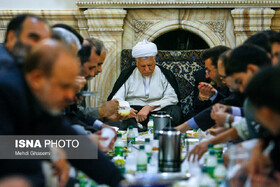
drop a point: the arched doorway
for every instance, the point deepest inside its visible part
(180, 40)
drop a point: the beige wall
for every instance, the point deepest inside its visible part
(122, 29)
(215, 26)
(38, 5)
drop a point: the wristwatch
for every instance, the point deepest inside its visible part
(227, 123)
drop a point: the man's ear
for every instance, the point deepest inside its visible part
(36, 79)
(11, 40)
(269, 114)
(269, 55)
(252, 68)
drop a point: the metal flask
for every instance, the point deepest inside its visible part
(169, 150)
(161, 120)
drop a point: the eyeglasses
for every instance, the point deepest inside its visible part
(222, 77)
(276, 54)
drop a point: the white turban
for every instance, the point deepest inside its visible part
(144, 49)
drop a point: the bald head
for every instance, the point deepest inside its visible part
(50, 70)
(44, 55)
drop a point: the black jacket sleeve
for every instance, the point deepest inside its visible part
(198, 105)
(102, 170)
(76, 116)
(204, 120)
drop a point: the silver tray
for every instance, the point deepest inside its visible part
(149, 179)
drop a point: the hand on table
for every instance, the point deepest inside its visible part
(197, 152)
(61, 168)
(143, 113)
(256, 163)
(219, 117)
(223, 108)
(183, 127)
(111, 145)
(96, 138)
(216, 131)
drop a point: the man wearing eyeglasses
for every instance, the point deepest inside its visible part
(275, 48)
(208, 94)
(203, 119)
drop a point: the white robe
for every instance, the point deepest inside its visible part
(160, 92)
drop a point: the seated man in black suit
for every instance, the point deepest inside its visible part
(23, 32)
(203, 119)
(207, 94)
(31, 103)
(244, 61)
(92, 55)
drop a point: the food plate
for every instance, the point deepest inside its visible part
(192, 134)
(88, 93)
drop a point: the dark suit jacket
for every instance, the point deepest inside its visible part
(204, 120)
(21, 114)
(6, 60)
(76, 116)
(198, 105)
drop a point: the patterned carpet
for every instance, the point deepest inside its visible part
(183, 64)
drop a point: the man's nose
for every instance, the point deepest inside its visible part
(241, 89)
(147, 68)
(99, 70)
(92, 73)
(207, 75)
(275, 60)
(33, 43)
(70, 94)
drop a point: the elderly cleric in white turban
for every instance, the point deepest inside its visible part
(146, 87)
(144, 49)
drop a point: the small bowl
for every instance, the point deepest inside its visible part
(124, 111)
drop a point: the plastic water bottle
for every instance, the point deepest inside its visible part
(130, 137)
(148, 149)
(205, 179)
(206, 155)
(130, 163)
(220, 172)
(120, 163)
(219, 150)
(153, 165)
(151, 125)
(185, 166)
(119, 145)
(211, 163)
(142, 160)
